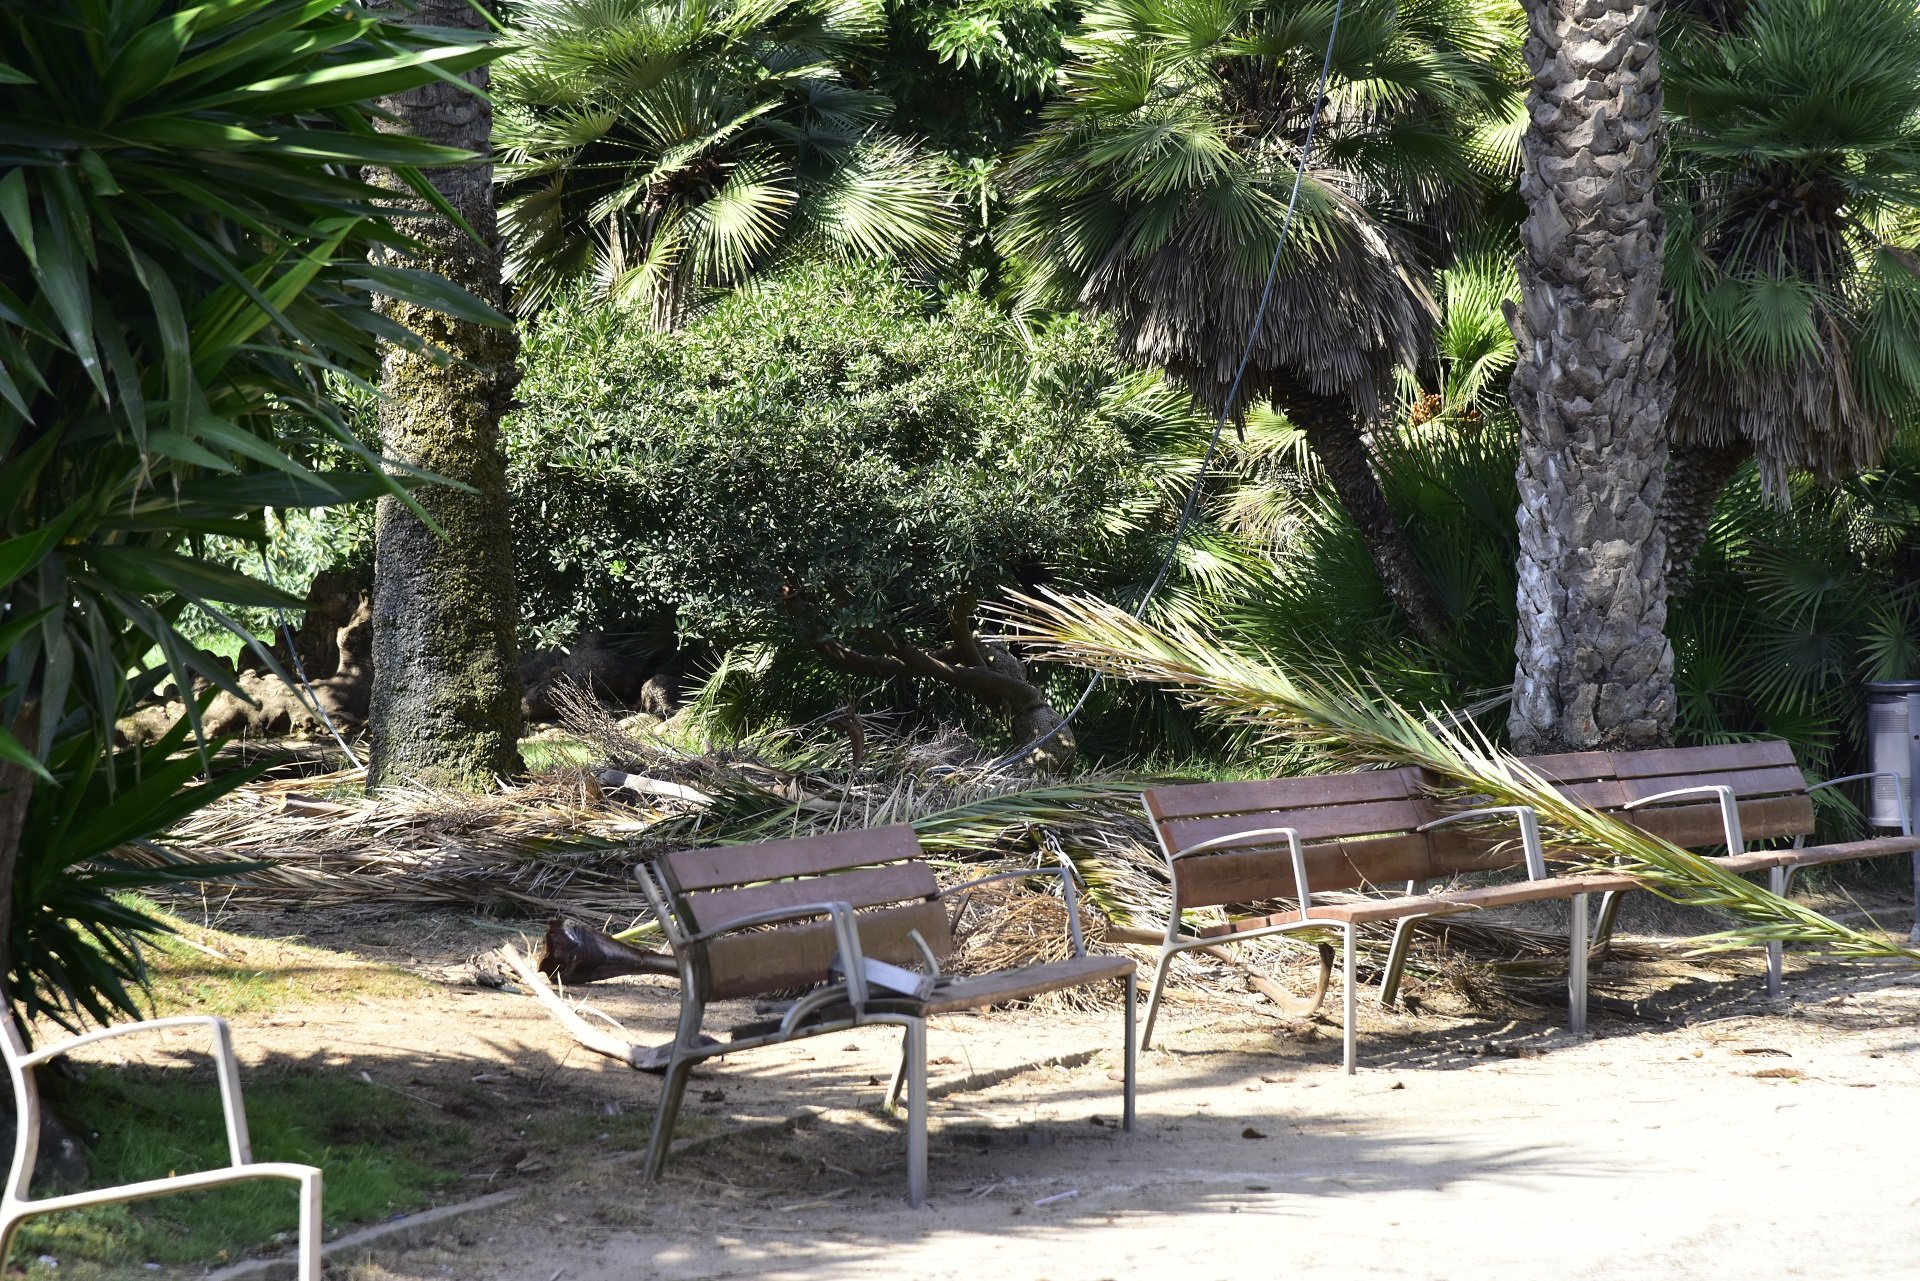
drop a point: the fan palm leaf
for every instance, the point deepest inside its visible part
(674, 149)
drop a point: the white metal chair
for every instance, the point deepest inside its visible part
(15, 1205)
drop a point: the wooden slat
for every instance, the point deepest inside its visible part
(1459, 849)
(977, 991)
(1777, 780)
(1694, 826)
(1214, 880)
(1571, 767)
(790, 957)
(1198, 800)
(1371, 818)
(721, 866)
(1845, 851)
(1717, 758)
(1400, 906)
(862, 887)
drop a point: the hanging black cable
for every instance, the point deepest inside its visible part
(1192, 503)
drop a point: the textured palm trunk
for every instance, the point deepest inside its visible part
(1593, 386)
(1694, 482)
(1335, 439)
(446, 680)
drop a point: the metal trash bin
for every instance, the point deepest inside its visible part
(1893, 743)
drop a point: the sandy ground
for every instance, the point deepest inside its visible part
(1711, 1134)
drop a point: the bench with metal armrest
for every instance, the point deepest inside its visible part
(1234, 846)
(839, 917)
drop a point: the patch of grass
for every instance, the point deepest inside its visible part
(383, 1154)
(206, 971)
(545, 753)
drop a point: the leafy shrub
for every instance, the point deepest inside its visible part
(834, 460)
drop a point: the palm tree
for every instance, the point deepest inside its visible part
(1157, 184)
(1793, 196)
(667, 149)
(1592, 386)
(446, 672)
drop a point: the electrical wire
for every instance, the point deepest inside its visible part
(1192, 503)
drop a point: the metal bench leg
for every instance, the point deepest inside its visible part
(310, 1227)
(1153, 998)
(916, 1065)
(1397, 959)
(1913, 935)
(1609, 913)
(1132, 1065)
(1577, 967)
(1348, 1011)
(892, 1103)
(663, 1117)
(1777, 878)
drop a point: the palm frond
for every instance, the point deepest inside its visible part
(1358, 726)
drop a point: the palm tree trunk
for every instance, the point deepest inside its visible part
(446, 679)
(1335, 439)
(1694, 480)
(1593, 386)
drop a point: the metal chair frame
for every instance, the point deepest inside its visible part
(16, 1206)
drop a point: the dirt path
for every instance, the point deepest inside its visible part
(1746, 1142)
(1714, 1135)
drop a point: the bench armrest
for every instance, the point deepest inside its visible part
(1293, 851)
(239, 1144)
(1067, 879)
(1899, 792)
(1534, 852)
(1729, 809)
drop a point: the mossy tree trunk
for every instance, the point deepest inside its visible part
(1593, 386)
(446, 683)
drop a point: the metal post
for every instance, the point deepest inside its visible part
(1913, 800)
(916, 1112)
(1348, 1030)
(1132, 1066)
(1776, 952)
(1577, 967)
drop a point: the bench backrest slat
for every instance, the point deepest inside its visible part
(725, 865)
(1357, 831)
(796, 956)
(1768, 785)
(862, 887)
(881, 873)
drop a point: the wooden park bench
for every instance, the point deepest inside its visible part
(839, 918)
(1723, 797)
(1237, 846)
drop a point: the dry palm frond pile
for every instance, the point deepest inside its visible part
(564, 843)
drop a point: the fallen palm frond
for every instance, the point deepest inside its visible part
(1360, 726)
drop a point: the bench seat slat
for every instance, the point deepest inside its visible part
(1445, 904)
(726, 865)
(973, 992)
(862, 887)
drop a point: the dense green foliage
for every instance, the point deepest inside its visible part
(1793, 196)
(832, 457)
(188, 259)
(669, 150)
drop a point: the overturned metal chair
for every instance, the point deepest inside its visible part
(838, 916)
(16, 1207)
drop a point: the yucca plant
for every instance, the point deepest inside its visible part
(1356, 725)
(190, 257)
(666, 150)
